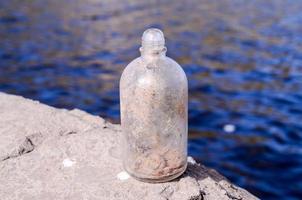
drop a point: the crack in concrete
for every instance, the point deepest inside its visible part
(201, 193)
(26, 147)
(228, 194)
(167, 192)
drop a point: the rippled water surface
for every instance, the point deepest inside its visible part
(243, 60)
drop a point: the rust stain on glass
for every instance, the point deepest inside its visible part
(154, 113)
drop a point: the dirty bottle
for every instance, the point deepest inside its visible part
(154, 113)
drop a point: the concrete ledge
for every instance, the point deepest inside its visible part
(48, 153)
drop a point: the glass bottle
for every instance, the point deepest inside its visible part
(154, 119)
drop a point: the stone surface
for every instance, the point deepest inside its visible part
(48, 153)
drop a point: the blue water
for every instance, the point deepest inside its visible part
(243, 60)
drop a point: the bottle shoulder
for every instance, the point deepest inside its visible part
(165, 71)
(166, 66)
(177, 66)
(132, 66)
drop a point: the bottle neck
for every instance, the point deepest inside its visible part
(153, 54)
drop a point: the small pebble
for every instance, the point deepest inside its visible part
(229, 128)
(68, 163)
(191, 160)
(123, 176)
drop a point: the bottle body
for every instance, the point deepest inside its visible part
(154, 119)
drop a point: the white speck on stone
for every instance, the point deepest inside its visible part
(191, 160)
(123, 176)
(68, 163)
(229, 128)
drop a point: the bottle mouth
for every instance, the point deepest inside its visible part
(153, 40)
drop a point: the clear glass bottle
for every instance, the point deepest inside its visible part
(154, 119)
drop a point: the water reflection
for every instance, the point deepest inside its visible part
(242, 58)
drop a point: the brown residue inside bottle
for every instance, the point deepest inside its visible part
(158, 163)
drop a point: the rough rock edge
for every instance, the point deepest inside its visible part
(196, 178)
